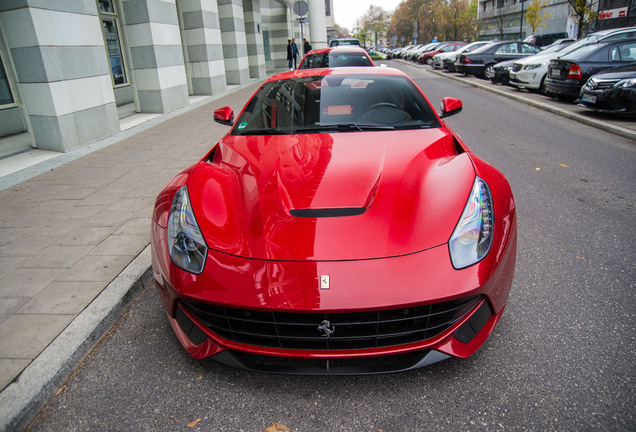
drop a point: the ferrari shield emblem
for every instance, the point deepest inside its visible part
(324, 282)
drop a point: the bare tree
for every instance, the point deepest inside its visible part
(584, 13)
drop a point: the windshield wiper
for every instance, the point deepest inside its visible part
(343, 127)
(265, 131)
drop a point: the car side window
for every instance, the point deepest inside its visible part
(510, 48)
(529, 49)
(624, 53)
(618, 36)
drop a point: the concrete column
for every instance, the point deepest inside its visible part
(317, 23)
(202, 39)
(254, 38)
(152, 29)
(62, 71)
(234, 41)
(275, 23)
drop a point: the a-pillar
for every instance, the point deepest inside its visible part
(202, 41)
(60, 63)
(317, 24)
(253, 36)
(152, 28)
(234, 41)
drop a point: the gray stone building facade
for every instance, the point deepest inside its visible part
(502, 19)
(66, 65)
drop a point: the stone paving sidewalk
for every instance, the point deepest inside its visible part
(67, 233)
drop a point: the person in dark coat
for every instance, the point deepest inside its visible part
(306, 46)
(290, 54)
(294, 51)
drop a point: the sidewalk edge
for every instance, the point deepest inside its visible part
(21, 400)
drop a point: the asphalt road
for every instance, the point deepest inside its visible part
(562, 358)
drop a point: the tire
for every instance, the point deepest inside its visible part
(488, 72)
(429, 60)
(542, 85)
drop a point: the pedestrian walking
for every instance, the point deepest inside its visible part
(290, 54)
(294, 51)
(306, 46)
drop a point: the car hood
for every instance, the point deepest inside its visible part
(341, 196)
(619, 73)
(537, 58)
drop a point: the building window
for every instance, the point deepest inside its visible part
(500, 4)
(110, 27)
(6, 97)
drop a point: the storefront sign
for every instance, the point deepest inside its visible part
(613, 13)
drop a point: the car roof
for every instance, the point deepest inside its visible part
(371, 71)
(340, 48)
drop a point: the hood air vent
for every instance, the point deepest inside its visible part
(327, 212)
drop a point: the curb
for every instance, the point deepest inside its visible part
(23, 399)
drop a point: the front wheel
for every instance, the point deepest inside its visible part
(489, 72)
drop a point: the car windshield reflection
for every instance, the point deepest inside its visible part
(336, 103)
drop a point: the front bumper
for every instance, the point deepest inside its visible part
(526, 79)
(356, 287)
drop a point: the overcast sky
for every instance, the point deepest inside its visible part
(346, 12)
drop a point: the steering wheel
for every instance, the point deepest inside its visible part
(385, 113)
(382, 104)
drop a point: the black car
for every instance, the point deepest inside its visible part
(545, 39)
(612, 91)
(567, 75)
(481, 62)
(502, 72)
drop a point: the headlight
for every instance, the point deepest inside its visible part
(531, 66)
(473, 234)
(186, 245)
(631, 82)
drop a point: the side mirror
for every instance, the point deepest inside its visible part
(450, 106)
(224, 116)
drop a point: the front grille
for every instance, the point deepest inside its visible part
(604, 84)
(351, 330)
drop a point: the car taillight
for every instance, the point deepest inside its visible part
(465, 59)
(575, 72)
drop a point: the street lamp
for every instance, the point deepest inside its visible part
(521, 22)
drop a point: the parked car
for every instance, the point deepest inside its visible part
(612, 91)
(408, 53)
(427, 57)
(449, 59)
(530, 72)
(378, 55)
(565, 41)
(339, 227)
(339, 56)
(545, 39)
(414, 55)
(534, 69)
(501, 73)
(481, 62)
(344, 41)
(567, 74)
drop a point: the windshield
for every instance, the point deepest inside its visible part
(335, 59)
(335, 103)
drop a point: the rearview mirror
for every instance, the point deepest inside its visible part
(450, 106)
(224, 116)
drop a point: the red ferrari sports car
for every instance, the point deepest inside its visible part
(340, 227)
